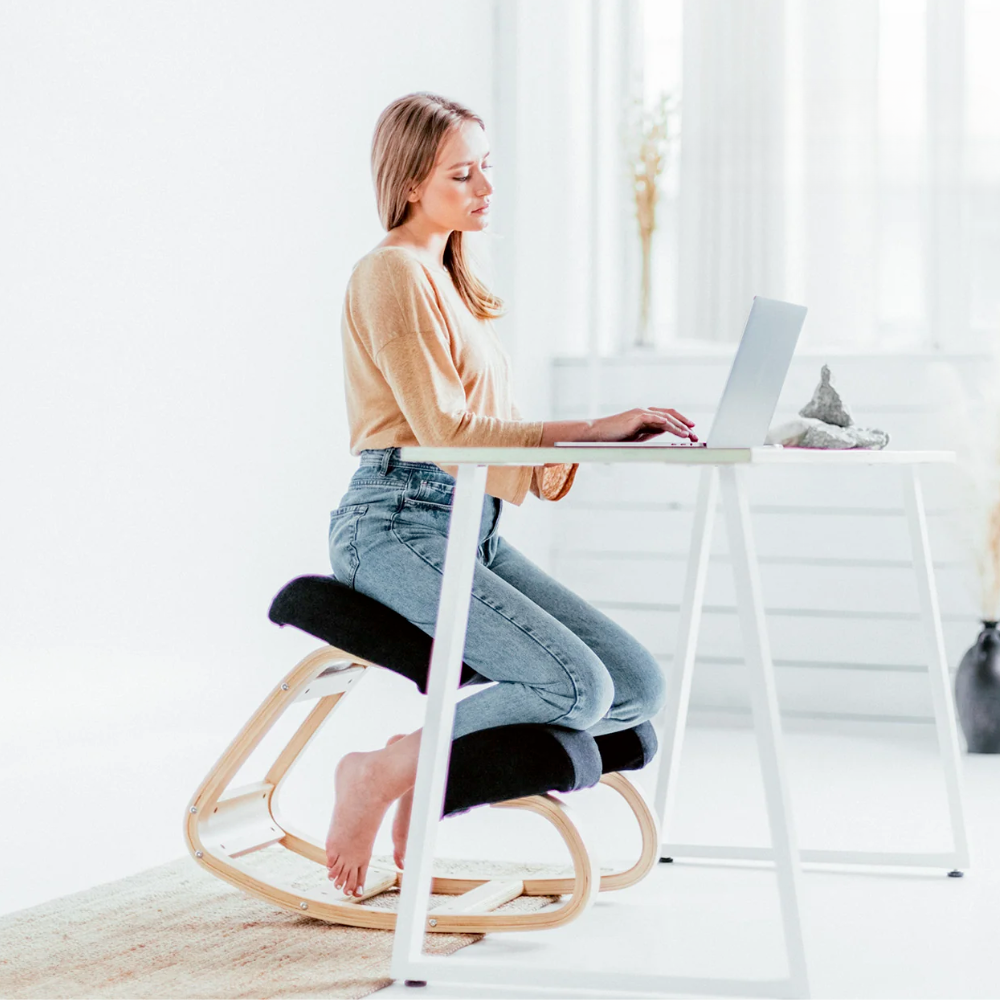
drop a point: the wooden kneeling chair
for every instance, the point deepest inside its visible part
(512, 767)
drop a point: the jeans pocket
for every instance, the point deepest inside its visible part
(344, 559)
(431, 506)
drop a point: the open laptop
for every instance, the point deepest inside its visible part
(752, 389)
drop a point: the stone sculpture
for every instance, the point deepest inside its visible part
(826, 422)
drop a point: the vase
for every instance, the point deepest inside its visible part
(643, 336)
(977, 692)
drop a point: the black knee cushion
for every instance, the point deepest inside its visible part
(358, 624)
(508, 762)
(627, 750)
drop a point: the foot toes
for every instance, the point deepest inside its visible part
(349, 879)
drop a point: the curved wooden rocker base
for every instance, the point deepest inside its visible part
(224, 825)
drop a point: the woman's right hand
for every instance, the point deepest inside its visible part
(642, 423)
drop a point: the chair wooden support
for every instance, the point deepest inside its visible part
(223, 825)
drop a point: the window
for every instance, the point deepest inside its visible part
(843, 155)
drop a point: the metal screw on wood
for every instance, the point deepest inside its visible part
(198, 854)
(432, 922)
(194, 809)
(284, 687)
(305, 906)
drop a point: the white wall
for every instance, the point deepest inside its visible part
(188, 187)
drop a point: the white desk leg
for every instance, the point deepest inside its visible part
(673, 718)
(767, 719)
(442, 692)
(944, 710)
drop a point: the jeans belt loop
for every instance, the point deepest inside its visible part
(386, 460)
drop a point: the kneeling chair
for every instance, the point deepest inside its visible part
(515, 767)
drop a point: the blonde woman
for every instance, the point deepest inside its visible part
(423, 365)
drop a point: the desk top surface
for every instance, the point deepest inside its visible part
(672, 456)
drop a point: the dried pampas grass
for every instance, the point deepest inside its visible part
(647, 136)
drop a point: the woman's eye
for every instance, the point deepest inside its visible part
(486, 166)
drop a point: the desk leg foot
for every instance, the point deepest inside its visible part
(666, 861)
(956, 874)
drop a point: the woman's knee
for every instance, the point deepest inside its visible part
(642, 687)
(593, 695)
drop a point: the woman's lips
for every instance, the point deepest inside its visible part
(479, 211)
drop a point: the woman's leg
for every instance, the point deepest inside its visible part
(639, 683)
(544, 672)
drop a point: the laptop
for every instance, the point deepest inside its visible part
(752, 389)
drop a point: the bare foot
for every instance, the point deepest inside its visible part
(401, 821)
(366, 785)
(363, 797)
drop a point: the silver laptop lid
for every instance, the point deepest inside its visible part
(757, 375)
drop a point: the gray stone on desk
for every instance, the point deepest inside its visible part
(826, 404)
(808, 432)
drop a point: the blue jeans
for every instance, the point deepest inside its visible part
(554, 657)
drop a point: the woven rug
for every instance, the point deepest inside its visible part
(177, 931)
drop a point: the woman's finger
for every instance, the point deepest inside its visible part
(672, 412)
(674, 426)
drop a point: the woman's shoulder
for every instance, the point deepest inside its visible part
(389, 261)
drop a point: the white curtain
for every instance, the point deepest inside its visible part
(779, 164)
(822, 161)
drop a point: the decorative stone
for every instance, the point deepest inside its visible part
(808, 432)
(826, 405)
(824, 422)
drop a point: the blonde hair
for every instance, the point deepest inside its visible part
(408, 135)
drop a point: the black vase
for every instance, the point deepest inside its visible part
(977, 692)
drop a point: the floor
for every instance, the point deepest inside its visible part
(93, 802)
(869, 933)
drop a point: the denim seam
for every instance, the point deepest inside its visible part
(555, 656)
(429, 466)
(352, 545)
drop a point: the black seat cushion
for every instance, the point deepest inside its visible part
(627, 750)
(491, 765)
(508, 762)
(358, 624)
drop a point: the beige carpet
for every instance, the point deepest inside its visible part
(177, 931)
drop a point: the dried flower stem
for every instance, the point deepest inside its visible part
(648, 138)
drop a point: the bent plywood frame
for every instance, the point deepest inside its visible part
(223, 825)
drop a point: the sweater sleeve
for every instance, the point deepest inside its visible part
(553, 481)
(409, 341)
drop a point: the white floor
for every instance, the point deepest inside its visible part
(101, 799)
(869, 932)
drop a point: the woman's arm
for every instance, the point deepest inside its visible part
(632, 425)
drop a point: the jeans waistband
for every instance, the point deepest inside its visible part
(386, 459)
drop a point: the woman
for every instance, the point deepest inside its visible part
(423, 365)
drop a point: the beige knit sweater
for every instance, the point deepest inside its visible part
(420, 369)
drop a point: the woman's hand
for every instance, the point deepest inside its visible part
(632, 425)
(642, 423)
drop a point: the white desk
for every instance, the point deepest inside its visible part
(721, 467)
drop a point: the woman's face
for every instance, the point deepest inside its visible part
(458, 184)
